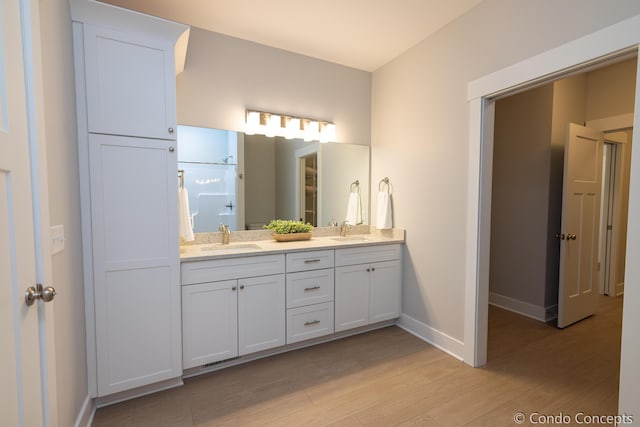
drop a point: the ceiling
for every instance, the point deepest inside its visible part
(363, 34)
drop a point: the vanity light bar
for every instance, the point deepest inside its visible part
(271, 124)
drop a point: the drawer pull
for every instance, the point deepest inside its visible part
(312, 288)
(311, 261)
(313, 322)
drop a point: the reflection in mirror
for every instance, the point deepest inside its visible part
(245, 181)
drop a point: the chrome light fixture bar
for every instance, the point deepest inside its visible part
(271, 124)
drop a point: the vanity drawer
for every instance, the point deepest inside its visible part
(309, 287)
(231, 268)
(312, 260)
(313, 321)
(368, 254)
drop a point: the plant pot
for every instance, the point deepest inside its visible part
(291, 237)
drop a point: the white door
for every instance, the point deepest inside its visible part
(351, 297)
(261, 313)
(129, 82)
(134, 211)
(385, 291)
(578, 290)
(209, 323)
(21, 392)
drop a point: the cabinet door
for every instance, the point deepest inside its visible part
(351, 297)
(130, 83)
(209, 323)
(135, 262)
(385, 287)
(261, 313)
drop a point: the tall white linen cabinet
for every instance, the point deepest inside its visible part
(125, 65)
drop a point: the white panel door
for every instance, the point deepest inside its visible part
(136, 261)
(385, 289)
(578, 292)
(22, 396)
(209, 323)
(261, 313)
(351, 297)
(130, 84)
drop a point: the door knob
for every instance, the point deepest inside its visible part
(571, 237)
(560, 236)
(38, 292)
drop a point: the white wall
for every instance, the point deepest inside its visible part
(64, 197)
(223, 76)
(420, 133)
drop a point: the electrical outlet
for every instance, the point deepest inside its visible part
(57, 239)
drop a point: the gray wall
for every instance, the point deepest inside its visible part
(259, 179)
(64, 207)
(224, 75)
(420, 133)
(520, 195)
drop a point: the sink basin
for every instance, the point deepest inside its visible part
(231, 246)
(219, 247)
(351, 239)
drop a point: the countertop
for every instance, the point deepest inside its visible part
(207, 251)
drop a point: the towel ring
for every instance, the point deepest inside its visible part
(384, 181)
(355, 183)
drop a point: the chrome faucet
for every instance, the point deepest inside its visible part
(344, 229)
(226, 233)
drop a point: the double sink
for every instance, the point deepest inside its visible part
(242, 247)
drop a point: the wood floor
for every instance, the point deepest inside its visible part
(388, 377)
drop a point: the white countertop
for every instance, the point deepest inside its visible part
(209, 251)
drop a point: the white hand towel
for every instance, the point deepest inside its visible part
(184, 216)
(384, 218)
(354, 209)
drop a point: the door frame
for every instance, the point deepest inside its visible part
(591, 51)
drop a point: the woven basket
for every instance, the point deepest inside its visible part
(291, 237)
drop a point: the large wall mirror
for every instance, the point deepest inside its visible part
(245, 181)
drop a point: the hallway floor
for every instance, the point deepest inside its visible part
(388, 377)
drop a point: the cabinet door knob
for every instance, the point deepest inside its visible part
(373, 269)
(172, 149)
(233, 288)
(368, 269)
(170, 130)
(241, 287)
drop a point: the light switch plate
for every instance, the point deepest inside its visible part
(57, 239)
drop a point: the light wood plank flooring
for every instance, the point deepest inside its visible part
(388, 377)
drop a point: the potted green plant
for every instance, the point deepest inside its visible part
(285, 230)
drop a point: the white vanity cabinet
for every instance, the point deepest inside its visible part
(232, 307)
(310, 290)
(367, 285)
(131, 83)
(126, 108)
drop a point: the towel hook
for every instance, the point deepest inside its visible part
(355, 183)
(384, 181)
(181, 176)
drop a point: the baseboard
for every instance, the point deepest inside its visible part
(537, 312)
(85, 416)
(438, 339)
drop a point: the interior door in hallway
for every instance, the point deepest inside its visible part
(578, 291)
(20, 380)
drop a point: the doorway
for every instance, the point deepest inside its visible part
(530, 134)
(608, 43)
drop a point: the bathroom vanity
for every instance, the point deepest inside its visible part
(251, 299)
